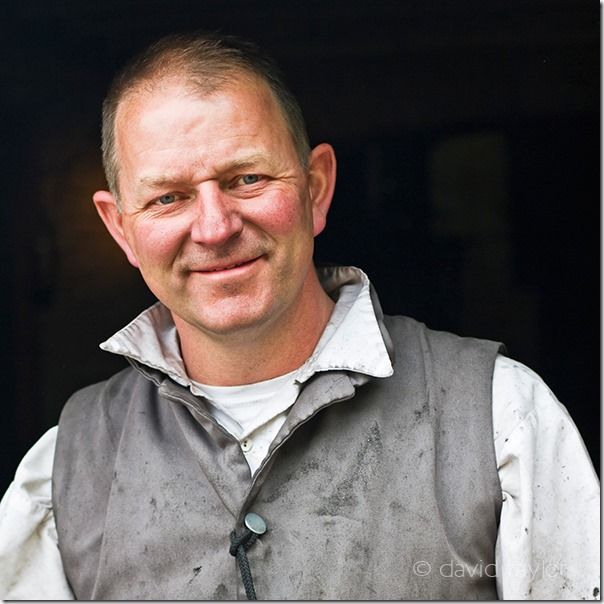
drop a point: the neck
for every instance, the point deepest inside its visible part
(261, 352)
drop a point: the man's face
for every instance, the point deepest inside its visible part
(217, 212)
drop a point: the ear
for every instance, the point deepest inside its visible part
(106, 206)
(321, 183)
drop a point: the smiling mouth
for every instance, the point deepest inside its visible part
(228, 267)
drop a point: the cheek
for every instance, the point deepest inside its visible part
(155, 243)
(284, 217)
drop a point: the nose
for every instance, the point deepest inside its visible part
(217, 219)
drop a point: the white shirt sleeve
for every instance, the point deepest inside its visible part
(548, 542)
(30, 563)
(548, 546)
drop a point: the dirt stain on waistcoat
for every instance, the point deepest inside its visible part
(367, 459)
(221, 593)
(300, 473)
(196, 571)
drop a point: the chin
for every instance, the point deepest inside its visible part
(227, 324)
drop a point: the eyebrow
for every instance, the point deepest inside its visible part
(152, 182)
(250, 161)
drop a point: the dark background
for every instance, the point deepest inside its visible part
(468, 139)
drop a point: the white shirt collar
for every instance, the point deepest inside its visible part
(352, 339)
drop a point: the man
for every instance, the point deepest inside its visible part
(277, 436)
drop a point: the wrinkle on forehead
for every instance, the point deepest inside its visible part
(146, 105)
(183, 84)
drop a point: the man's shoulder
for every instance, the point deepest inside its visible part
(93, 417)
(402, 329)
(444, 360)
(105, 396)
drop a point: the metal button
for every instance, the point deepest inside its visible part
(246, 445)
(255, 523)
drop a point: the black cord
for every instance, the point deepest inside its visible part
(239, 547)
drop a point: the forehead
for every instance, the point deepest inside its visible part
(244, 96)
(167, 118)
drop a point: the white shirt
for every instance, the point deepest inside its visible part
(548, 540)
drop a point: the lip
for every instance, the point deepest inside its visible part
(230, 268)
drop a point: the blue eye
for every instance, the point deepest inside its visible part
(166, 199)
(250, 179)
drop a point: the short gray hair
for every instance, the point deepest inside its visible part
(207, 62)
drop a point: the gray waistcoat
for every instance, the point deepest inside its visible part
(373, 489)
